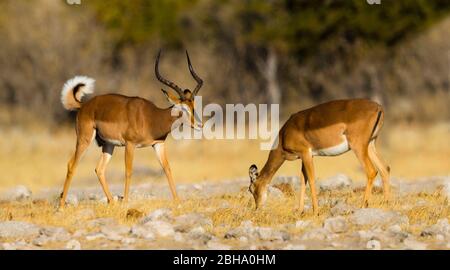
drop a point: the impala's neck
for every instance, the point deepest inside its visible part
(166, 121)
(272, 165)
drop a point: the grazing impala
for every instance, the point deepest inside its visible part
(328, 129)
(117, 120)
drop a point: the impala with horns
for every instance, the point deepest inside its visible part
(117, 120)
(329, 129)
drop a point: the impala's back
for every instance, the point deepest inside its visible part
(331, 128)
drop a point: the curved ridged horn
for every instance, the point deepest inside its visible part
(165, 81)
(196, 77)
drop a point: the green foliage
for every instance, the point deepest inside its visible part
(140, 21)
(297, 26)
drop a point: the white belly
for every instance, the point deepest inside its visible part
(333, 150)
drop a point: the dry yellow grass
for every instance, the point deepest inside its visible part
(228, 211)
(38, 158)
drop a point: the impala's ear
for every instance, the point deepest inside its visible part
(253, 173)
(173, 99)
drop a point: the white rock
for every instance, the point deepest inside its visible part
(373, 244)
(374, 216)
(15, 229)
(192, 219)
(158, 214)
(441, 227)
(73, 245)
(335, 224)
(72, 200)
(215, 245)
(127, 241)
(341, 208)
(243, 239)
(55, 233)
(199, 233)
(161, 228)
(294, 247)
(414, 245)
(395, 229)
(178, 237)
(301, 224)
(335, 182)
(315, 234)
(143, 232)
(94, 236)
(20, 193)
(41, 240)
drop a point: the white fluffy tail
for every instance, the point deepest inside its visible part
(74, 90)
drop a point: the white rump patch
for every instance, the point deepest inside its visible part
(334, 150)
(88, 88)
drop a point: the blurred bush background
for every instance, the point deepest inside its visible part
(296, 53)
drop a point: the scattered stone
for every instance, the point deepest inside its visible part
(73, 245)
(72, 200)
(315, 234)
(161, 228)
(114, 232)
(41, 240)
(268, 234)
(185, 222)
(20, 193)
(94, 236)
(178, 237)
(294, 247)
(127, 241)
(441, 227)
(199, 233)
(377, 217)
(414, 245)
(215, 245)
(15, 229)
(335, 224)
(341, 208)
(20, 245)
(142, 232)
(335, 182)
(395, 229)
(373, 244)
(302, 224)
(55, 233)
(101, 222)
(79, 233)
(159, 214)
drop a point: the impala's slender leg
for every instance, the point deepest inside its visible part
(371, 172)
(161, 153)
(309, 175)
(107, 151)
(83, 141)
(129, 155)
(382, 169)
(302, 188)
